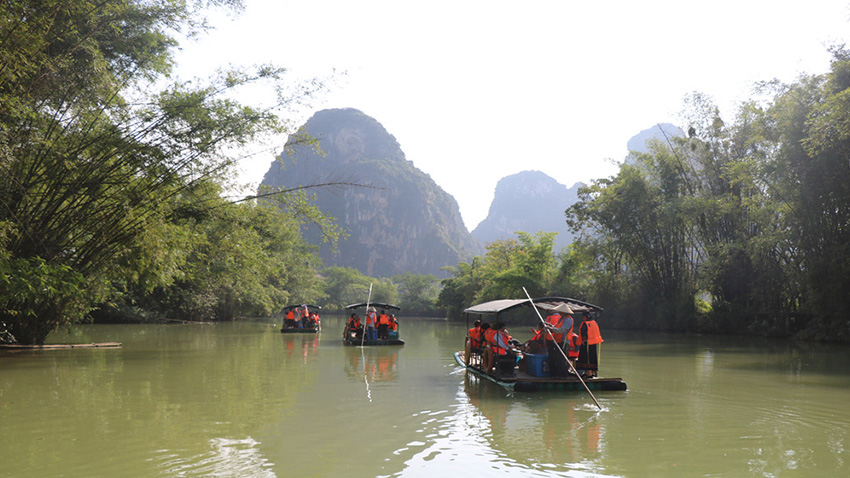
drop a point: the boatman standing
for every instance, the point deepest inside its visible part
(371, 319)
(560, 324)
(589, 340)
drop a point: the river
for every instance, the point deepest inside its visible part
(243, 400)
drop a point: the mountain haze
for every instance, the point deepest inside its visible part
(402, 221)
(530, 201)
(660, 132)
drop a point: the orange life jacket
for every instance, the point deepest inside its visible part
(496, 347)
(490, 336)
(573, 341)
(590, 330)
(384, 319)
(557, 321)
(475, 337)
(290, 315)
(538, 334)
(353, 323)
(393, 324)
(370, 319)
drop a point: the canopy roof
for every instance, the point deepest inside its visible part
(295, 306)
(495, 307)
(377, 305)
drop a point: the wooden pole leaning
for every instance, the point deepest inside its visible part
(572, 368)
(366, 317)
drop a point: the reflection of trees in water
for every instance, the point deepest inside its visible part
(378, 363)
(545, 428)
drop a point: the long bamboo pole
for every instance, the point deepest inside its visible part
(366, 317)
(561, 350)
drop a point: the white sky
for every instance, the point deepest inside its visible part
(478, 90)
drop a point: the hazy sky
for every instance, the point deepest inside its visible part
(477, 90)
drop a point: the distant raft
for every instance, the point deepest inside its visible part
(301, 319)
(381, 334)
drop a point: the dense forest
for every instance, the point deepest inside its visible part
(115, 181)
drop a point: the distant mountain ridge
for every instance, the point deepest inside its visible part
(659, 132)
(402, 222)
(529, 201)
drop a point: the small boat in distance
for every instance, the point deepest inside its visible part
(529, 372)
(301, 319)
(381, 334)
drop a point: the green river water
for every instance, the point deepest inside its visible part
(243, 400)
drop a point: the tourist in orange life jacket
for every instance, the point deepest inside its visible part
(474, 335)
(537, 343)
(371, 319)
(503, 349)
(355, 328)
(572, 346)
(393, 323)
(289, 321)
(589, 343)
(383, 325)
(314, 320)
(473, 348)
(488, 342)
(305, 316)
(559, 324)
(482, 340)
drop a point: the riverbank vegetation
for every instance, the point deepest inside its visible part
(741, 226)
(111, 174)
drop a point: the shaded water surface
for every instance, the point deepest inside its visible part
(241, 399)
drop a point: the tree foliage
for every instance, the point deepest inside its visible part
(750, 217)
(92, 156)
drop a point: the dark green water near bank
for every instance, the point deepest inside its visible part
(241, 399)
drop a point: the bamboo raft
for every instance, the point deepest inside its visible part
(102, 345)
(520, 381)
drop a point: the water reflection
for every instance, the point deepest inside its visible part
(304, 345)
(225, 457)
(496, 433)
(378, 364)
(550, 431)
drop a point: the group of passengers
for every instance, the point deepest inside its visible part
(378, 326)
(491, 346)
(301, 318)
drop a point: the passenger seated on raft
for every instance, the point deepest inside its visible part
(355, 328)
(289, 321)
(499, 351)
(474, 343)
(536, 344)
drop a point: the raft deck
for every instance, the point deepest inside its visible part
(296, 330)
(357, 342)
(521, 381)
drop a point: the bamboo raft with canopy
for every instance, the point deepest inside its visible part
(300, 328)
(356, 337)
(529, 372)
